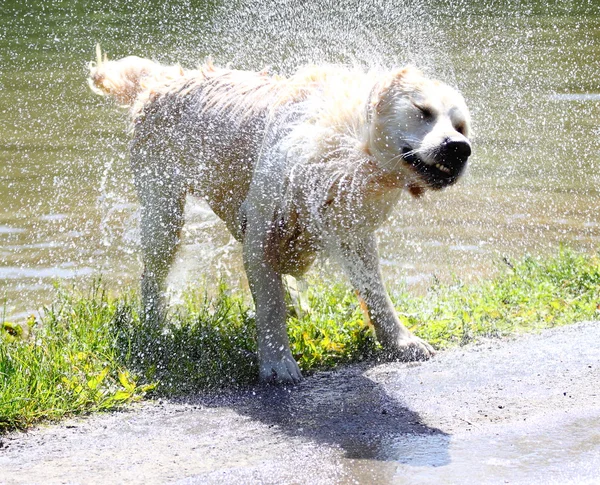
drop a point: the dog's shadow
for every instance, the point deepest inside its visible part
(347, 409)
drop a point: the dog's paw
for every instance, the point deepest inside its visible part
(283, 371)
(409, 349)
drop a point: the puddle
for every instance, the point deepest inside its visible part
(556, 449)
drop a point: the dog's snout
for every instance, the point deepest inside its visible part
(450, 161)
(456, 149)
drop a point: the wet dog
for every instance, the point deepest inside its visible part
(294, 166)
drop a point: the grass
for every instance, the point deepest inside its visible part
(89, 351)
(63, 364)
(527, 295)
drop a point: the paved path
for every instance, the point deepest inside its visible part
(523, 411)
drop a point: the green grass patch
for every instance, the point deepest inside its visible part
(90, 351)
(64, 363)
(527, 295)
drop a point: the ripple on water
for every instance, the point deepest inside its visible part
(11, 230)
(16, 272)
(53, 217)
(575, 97)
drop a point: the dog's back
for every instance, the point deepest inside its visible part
(206, 125)
(209, 125)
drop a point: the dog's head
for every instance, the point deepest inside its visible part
(419, 128)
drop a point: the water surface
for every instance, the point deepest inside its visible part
(527, 69)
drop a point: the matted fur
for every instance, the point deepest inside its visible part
(312, 162)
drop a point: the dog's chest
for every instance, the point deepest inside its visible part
(292, 245)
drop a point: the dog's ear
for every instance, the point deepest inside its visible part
(397, 82)
(406, 75)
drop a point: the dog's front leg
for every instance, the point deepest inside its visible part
(275, 358)
(360, 260)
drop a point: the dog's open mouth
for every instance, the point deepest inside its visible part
(439, 174)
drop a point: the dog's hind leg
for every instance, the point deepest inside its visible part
(275, 357)
(360, 260)
(162, 200)
(161, 223)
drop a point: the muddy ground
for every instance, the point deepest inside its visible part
(525, 410)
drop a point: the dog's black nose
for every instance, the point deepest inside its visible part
(456, 149)
(450, 162)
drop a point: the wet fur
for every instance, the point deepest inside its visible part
(294, 166)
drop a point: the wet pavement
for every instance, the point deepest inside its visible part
(520, 411)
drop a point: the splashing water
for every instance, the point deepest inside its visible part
(289, 34)
(527, 69)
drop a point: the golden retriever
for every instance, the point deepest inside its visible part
(293, 166)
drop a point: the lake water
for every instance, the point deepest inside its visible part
(529, 72)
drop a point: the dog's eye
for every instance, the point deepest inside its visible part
(426, 112)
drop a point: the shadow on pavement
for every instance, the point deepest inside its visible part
(343, 408)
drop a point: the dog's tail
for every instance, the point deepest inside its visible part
(126, 78)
